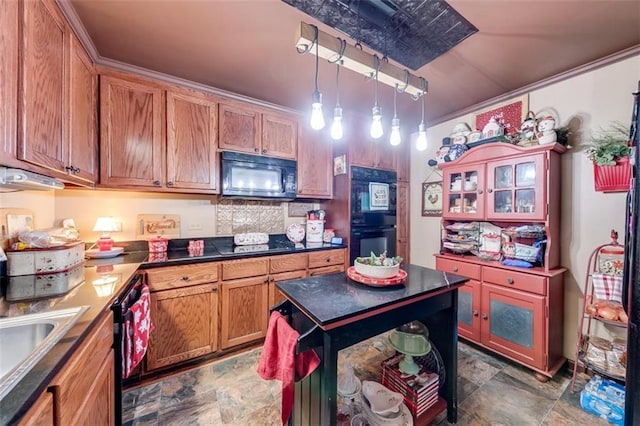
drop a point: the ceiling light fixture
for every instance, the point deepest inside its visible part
(336, 126)
(395, 138)
(421, 141)
(317, 117)
(376, 118)
(356, 59)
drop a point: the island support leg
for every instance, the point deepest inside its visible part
(443, 333)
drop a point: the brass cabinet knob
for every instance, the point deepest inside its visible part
(475, 313)
(509, 280)
(455, 269)
(485, 316)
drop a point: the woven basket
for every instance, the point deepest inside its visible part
(613, 178)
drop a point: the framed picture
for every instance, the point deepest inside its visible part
(340, 165)
(509, 114)
(378, 196)
(431, 198)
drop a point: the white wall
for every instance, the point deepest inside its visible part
(589, 102)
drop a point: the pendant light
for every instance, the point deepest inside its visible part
(421, 141)
(376, 119)
(336, 126)
(317, 117)
(395, 138)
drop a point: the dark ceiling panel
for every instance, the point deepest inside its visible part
(411, 32)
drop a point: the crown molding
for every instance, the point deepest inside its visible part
(582, 69)
(78, 28)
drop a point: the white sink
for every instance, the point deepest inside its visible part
(24, 340)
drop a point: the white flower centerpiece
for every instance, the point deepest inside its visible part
(378, 266)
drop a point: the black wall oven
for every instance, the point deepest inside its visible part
(373, 212)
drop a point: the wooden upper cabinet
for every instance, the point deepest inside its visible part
(403, 163)
(131, 132)
(254, 130)
(8, 80)
(239, 128)
(83, 115)
(279, 135)
(361, 152)
(315, 164)
(191, 141)
(386, 154)
(44, 94)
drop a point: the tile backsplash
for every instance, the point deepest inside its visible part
(237, 216)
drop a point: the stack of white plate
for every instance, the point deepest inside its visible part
(384, 407)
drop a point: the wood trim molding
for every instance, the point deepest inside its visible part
(591, 66)
(77, 26)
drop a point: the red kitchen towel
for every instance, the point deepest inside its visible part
(607, 287)
(279, 360)
(138, 330)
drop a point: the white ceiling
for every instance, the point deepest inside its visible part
(248, 47)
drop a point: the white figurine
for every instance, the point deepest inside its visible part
(491, 129)
(546, 133)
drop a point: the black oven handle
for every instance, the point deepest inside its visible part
(368, 232)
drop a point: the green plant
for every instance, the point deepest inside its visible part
(609, 145)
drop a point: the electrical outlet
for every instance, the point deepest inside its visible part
(195, 227)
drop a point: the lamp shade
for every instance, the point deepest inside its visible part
(105, 224)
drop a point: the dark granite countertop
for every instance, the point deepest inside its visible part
(330, 298)
(82, 292)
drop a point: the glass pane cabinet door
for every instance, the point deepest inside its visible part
(469, 310)
(512, 323)
(464, 195)
(516, 188)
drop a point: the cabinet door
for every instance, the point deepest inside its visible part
(386, 154)
(315, 164)
(83, 111)
(469, 310)
(44, 85)
(403, 163)
(191, 141)
(185, 325)
(8, 80)
(513, 323)
(275, 295)
(279, 135)
(402, 221)
(239, 128)
(99, 407)
(362, 152)
(463, 192)
(40, 413)
(516, 188)
(131, 133)
(244, 304)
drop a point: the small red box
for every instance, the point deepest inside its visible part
(158, 245)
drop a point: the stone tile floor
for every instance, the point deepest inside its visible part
(491, 391)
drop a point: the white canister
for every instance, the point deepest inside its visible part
(315, 229)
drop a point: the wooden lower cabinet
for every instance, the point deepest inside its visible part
(275, 295)
(327, 262)
(82, 393)
(242, 315)
(40, 413)
(185, 324)
(516, 314)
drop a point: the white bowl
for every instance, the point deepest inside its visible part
(372, 271)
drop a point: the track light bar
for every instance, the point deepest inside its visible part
(358, 60)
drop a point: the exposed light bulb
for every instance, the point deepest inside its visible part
(336, 126)
(317, 117)
(376, 123)
(395, 138)
(421, 141)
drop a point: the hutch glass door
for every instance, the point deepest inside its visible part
(465, 189)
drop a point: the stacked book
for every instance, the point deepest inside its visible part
(420, 390)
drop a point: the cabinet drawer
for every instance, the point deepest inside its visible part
(458, 268)
(516, 280)
(245, 268)
(326, 270)
(288, 262)
(318, 259)
(180, 276)
(73, 385)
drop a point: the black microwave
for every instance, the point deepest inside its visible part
(257, 176)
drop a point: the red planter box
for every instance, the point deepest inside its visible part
(613, 178)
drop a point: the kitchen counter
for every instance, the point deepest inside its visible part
(99, 298)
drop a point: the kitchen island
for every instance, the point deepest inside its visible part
(332, 312)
